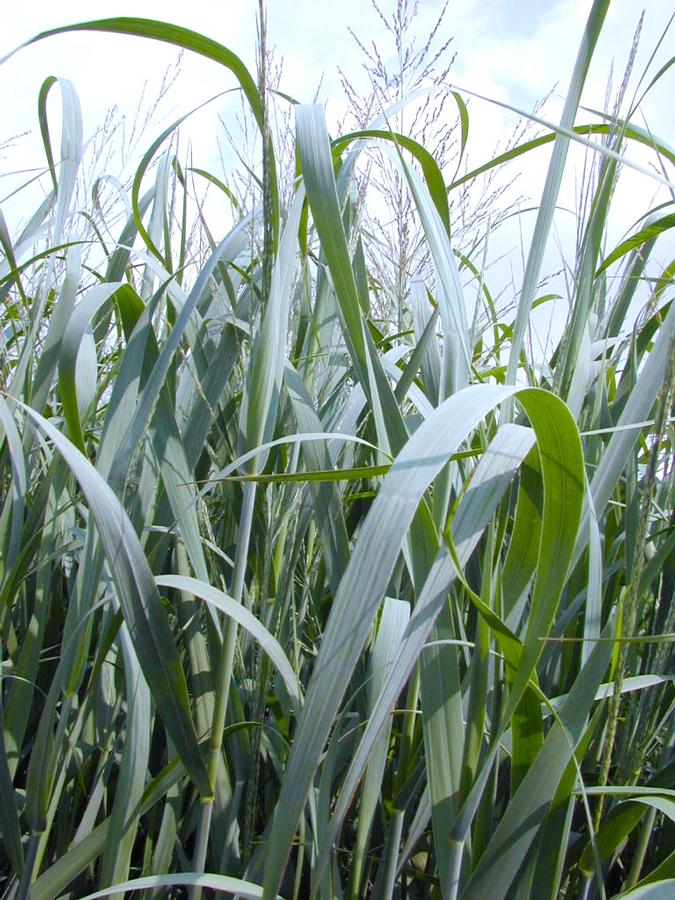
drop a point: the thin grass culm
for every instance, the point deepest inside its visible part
(326, 570)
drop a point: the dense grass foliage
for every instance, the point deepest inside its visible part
(291, 604)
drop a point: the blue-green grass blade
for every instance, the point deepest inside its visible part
(443, 730)
(386, 647)
(636, 409)
(70, 346)
(141, 604)
(317, 171)
(362, 589)
(225, 884)
(14, 502)
(10, 830)
(242, 617)
(124, 818)
(491, 478)
(262, 392)
(655, 890)
(554, 176)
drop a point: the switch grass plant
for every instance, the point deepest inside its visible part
(294, 605)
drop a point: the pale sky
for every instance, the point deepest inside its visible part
(515, 51)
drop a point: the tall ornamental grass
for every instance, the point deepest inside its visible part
(291, 604)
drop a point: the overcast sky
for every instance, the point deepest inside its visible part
(512, 50)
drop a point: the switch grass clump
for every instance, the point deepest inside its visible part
(300, 600)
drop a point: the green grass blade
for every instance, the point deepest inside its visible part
(656, 226)
(185, 39)
(517, 829)
(428, 164)
(630, 132)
